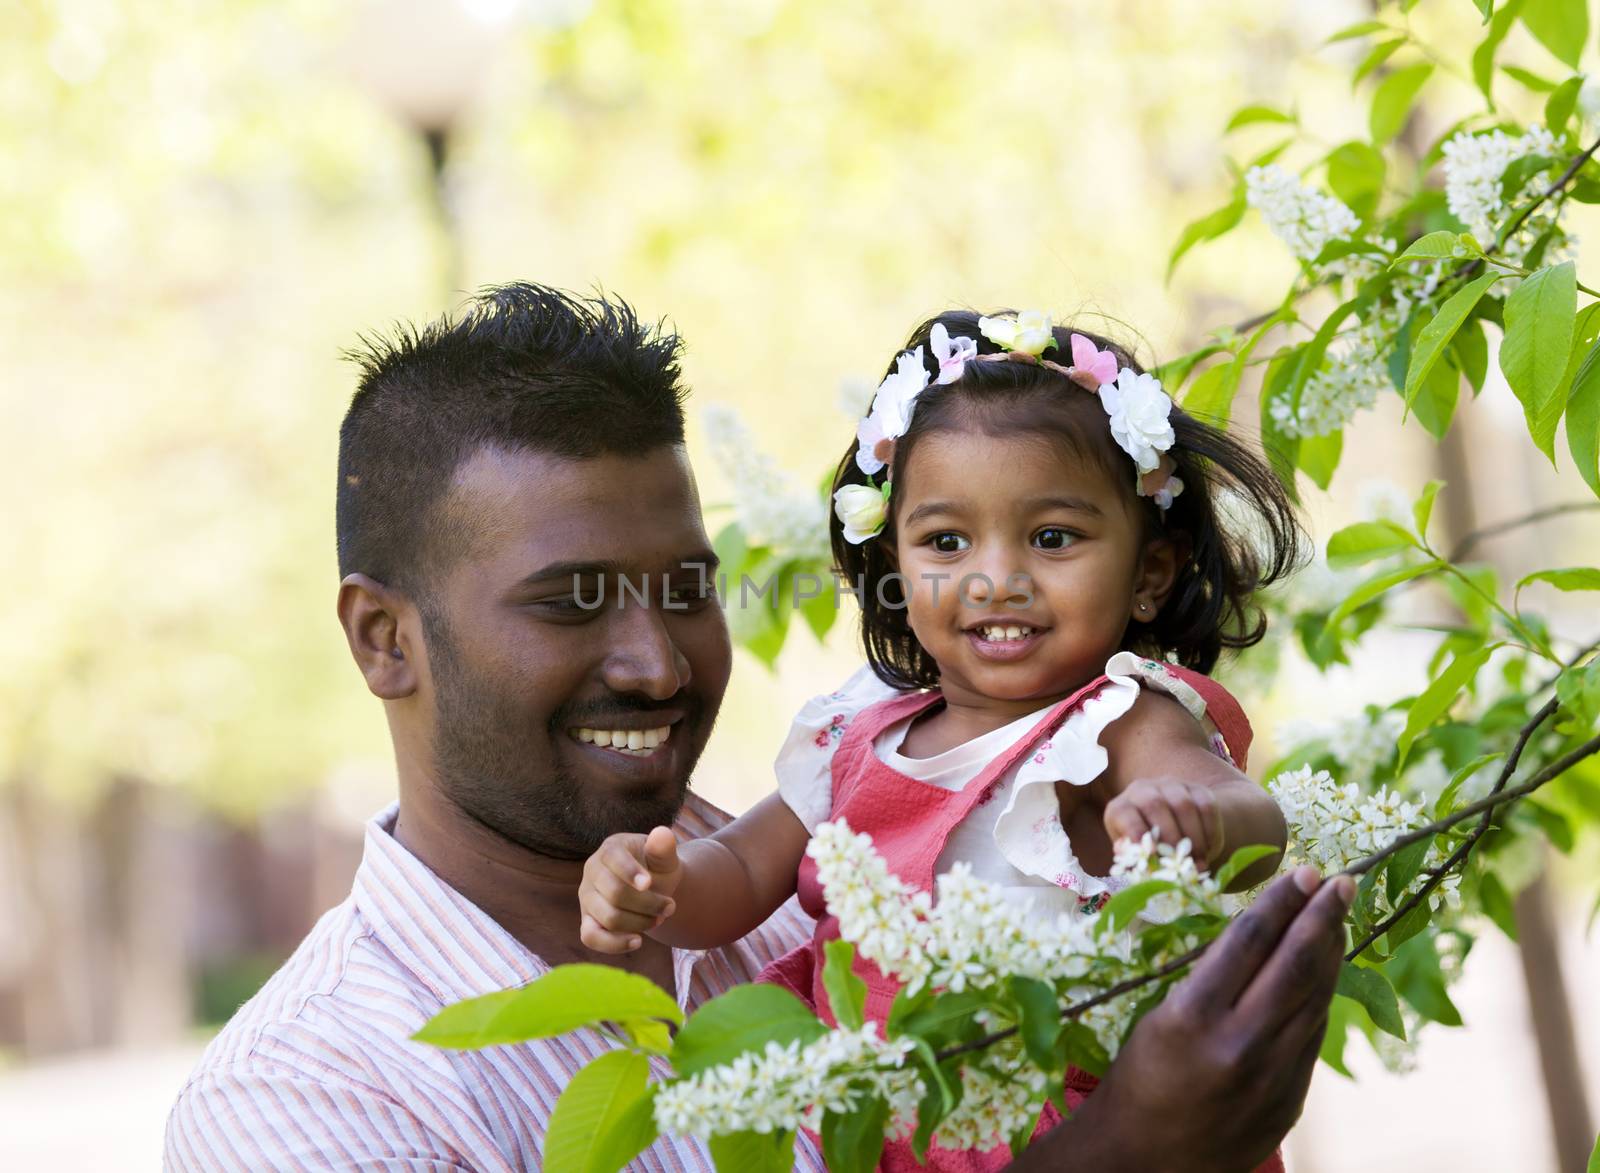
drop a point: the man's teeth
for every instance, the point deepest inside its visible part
(996, 633)
(639, 742)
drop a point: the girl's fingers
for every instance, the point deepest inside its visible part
(603, 941)
(623, 856)
(620, 894)
(1158, 814)
(1125, 821)
(1190, 825)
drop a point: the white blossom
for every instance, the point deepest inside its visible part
(1352, 374)
(771, 508)
(861, 509)
(1140, 414)
(1304, 219)
(1473, 166)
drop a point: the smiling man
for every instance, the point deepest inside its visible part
(497, 473)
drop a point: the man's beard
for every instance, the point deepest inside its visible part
(505, 774)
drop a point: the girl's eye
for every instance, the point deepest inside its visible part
(1052, 538)
(948, 543)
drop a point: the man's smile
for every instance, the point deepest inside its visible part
(634, 742)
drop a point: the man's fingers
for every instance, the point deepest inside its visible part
(1304, 968)
(604, 941)
(661, 851)
(1229, 964)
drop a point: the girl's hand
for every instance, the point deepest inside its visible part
(627, 889)
(1175, 810)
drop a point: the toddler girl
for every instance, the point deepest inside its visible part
(1048, 556)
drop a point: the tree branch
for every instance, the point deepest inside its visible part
(1470, 542)
(1484, 807)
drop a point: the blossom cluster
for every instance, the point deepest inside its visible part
(1333, 824)
(789, 1086)
(1304, 219)
(771, 508)
(1473, 167)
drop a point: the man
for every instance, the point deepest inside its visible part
(493, 470)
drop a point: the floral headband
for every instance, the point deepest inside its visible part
(1137, 406)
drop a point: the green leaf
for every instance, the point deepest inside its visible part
(1318, 457)
(820, 611)
(1081, 1048)
(1577, 578)
(1483, 56)
(1437, 698)
(1528, 78)
(1361, 29)
(947, 1018)
(746, 1018)
(1356, 172)
(1435, 404)
(566, 998)
(1241, 860)
(852, 1141)
(1378, 54)
(1444, 804)
(1376, 586)
(1372, 990)
(1486, 7)
(1583, 419)
(1562, 103)
(1432, 339)
(1422, 511)
(1392, 100)
(649, 1034)
(1578, 690)
(1432, 247)
(604, 1118)
(1366, 540)
(1594, 1157)
(1403, 867)
(1039, 1022)
(1561, 26)
(1341, 1012)
(1496, 903)
(1533, 356)
(1551, 823)
(1249, 115)
(1118, 912)
(1419, 981)
(1209, 227)
(1210, 396)
(753, 1152)
(1471, 350)
(847, 993)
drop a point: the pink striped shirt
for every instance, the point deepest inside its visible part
(317, 1071)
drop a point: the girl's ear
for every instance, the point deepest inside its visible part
(1163, 558)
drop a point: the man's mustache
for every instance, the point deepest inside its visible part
(594, 714)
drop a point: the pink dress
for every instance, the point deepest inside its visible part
(910, 823)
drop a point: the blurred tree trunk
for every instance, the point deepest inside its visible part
(1542, 974)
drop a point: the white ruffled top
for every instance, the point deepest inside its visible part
(1015, 838)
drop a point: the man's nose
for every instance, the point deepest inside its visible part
(643, 656)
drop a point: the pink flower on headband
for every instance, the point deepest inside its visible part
(1099, 365)
(953, 353)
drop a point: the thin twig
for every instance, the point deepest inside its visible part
(1470, 542)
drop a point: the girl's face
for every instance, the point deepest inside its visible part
(1057, 537)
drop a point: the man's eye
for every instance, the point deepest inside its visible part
(1051, 538)
(695, 592)
(948, 543)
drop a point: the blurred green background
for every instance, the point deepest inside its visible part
(202, 203)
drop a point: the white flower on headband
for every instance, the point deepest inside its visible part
(1139, 411)
(861, 509)
(891, 412)
(1030, 332)
(953, 353)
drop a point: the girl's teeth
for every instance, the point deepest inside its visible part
(995, 633)
(638, 742)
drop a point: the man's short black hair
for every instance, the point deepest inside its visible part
(523, 367)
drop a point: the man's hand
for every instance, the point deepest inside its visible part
(627, 889)
(1174, 810)
(1211, 1080)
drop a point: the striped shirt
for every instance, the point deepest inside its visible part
(317, 1071)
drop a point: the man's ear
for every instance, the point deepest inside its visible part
(1163, 559)
(380, 625)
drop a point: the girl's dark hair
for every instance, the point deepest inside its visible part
(1234, 513)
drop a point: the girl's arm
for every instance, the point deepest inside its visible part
(695, 895)
(1164, 777)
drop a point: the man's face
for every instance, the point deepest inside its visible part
(535, 697)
